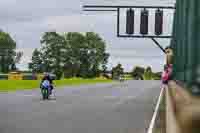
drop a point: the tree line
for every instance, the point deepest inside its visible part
(137, 73)
(70, 54)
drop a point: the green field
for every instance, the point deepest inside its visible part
(13, 85)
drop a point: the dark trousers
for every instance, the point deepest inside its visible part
(165, 82)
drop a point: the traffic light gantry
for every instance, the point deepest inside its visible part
(144, 21)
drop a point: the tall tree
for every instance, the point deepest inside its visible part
(36, 65)
(96, 53)
(74, 53)
(8, 55)
(137, 72)
(52, 46)
(117, 71)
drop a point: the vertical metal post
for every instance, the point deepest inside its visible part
(118, 21)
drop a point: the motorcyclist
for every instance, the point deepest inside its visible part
(48, 77)
(45, 83)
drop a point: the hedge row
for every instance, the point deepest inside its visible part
(29, 77)
(3, 76)
(24, 77)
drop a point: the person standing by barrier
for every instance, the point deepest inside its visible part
(168, 68)
(167, 74)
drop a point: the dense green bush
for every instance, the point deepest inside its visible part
(138, 72)
(3, 76)
(117, 72)
(156, 76)
(148, 74)
(107, 76)
(29, 77)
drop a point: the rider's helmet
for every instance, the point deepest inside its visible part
(46, 74)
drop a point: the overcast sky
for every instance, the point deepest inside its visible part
(26, 20)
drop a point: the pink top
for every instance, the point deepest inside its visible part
(165, 76)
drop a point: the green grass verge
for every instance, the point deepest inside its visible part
(14, 85)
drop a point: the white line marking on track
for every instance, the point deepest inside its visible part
(150, 130)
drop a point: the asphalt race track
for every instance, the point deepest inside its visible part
(102, 108)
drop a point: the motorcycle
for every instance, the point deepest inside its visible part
(45, 93)
(47, 87)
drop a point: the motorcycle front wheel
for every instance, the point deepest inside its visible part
(45, 94)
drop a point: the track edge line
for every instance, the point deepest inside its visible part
(150, 129)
